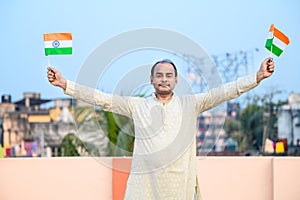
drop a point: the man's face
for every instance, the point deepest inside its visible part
(163, 78)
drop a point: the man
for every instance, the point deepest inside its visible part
(164, 156)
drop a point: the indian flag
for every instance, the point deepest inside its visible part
(276, 41)
(58, 43)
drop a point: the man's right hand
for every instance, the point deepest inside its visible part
(56, 79)
(266, 69)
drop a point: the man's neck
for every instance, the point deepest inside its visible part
(164, 98)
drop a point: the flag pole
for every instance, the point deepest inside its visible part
(48, 61)
(272, 42)
(271, 51)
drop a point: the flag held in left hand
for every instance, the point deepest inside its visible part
(58, 43)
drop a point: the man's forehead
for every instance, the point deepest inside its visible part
(164, 68)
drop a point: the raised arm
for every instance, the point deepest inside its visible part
(232, 90)
(109, 102)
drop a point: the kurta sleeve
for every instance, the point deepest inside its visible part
(109, 102)
(216, 96)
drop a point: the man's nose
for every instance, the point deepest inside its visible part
(164, 78)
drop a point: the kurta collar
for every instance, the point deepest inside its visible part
(156, 99)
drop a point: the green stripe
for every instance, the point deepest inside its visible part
(273, 48)
(269, 43)
(276, 50)
(58, 51)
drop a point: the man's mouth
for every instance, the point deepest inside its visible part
(164, 85)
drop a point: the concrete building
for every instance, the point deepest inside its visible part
(211, 136)
(289, 120)
(28, 129)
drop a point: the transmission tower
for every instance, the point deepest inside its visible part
(230, 66)
(234, 65)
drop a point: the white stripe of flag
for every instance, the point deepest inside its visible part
(62, 44)
(281, 45)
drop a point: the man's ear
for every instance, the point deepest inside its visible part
(151, 79)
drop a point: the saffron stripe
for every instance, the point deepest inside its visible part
(57, 36)
(281, 36)
(277, 33)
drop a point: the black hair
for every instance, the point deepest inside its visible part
(164, 61)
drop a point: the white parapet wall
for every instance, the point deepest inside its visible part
(82, 178)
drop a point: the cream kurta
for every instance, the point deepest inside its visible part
(164, 156)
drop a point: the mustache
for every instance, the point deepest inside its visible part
(163, 84)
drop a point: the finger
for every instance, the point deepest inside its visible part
(50, 74)
(270, 60)
(52, 69)
(270, 68)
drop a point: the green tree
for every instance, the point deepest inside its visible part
(120, 131)
(232, 127)
(258, 121)
(88, 119)
(251, 119)
(72, 146)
